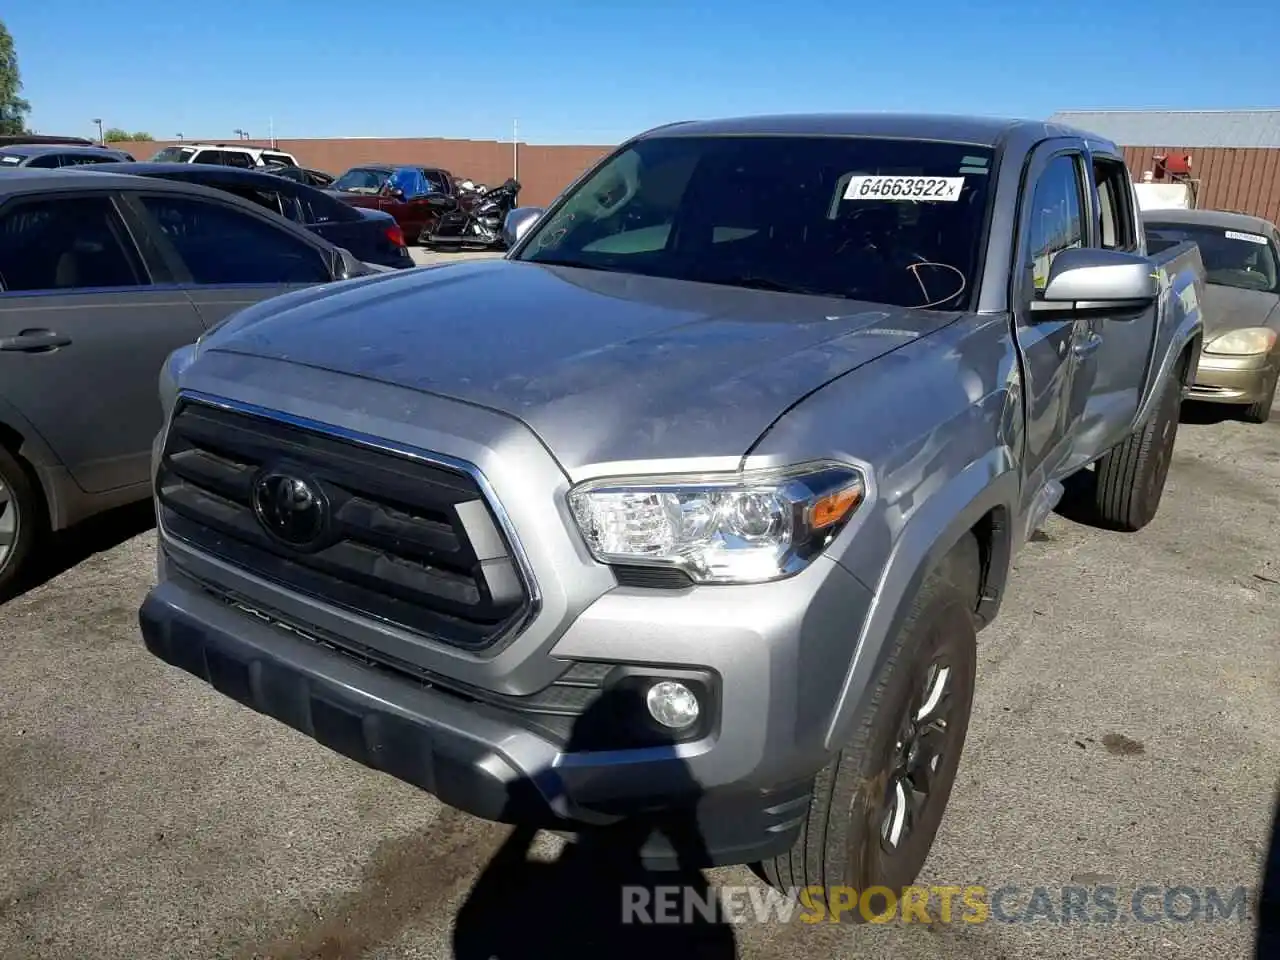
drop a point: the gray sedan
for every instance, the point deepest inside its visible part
(101, 277)
(1240, 360)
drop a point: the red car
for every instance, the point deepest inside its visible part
(401, 190)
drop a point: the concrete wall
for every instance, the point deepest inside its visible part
(543, 170)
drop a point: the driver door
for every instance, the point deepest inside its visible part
(1054, 348)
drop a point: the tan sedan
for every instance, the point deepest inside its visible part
(1240, 359)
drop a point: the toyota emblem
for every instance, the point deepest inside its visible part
(290, 508)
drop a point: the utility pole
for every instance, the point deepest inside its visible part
(515, 149)
(98, 121)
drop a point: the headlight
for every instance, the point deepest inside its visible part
(1241, 343)
(719, 528)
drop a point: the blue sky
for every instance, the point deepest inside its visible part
(594, 72)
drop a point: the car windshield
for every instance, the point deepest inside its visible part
(173, 155)
(1232, 258)
(889, 221)
(362, 180)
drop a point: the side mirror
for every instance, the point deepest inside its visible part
(395, 193)
(1097, 281)
(345, 265)
(518, 222)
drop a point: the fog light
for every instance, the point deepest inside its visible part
(672, 704)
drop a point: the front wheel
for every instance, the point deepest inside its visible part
(876, 808)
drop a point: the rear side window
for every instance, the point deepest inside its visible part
(209, 156)
(1115, 206)
(84, 159)
(1057, 216)
(436, 181)
(69, 243)
(283, 158)
(238, 158)
(222, 245)
(45, 161)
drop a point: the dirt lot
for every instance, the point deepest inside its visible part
(1124, 734)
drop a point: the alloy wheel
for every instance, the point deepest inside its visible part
(918, 756)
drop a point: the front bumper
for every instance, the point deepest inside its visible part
(490, 762)
(1236, 380)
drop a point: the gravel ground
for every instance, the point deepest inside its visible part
(1125, 733)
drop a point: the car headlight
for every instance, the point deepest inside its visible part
(1241, 343)
(746, 527)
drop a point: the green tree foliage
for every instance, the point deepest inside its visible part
(120, 135)
(13, 109)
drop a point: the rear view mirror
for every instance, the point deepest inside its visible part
(1091, 280)
(518, 223)
(345, 265)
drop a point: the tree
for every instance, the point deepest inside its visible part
(120, 135)
(13, 109)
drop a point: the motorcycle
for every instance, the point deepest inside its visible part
(471, 221)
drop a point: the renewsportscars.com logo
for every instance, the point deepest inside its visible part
(937, 904)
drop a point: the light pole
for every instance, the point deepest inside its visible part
(240, 134)
(98, 121)
(179, 138)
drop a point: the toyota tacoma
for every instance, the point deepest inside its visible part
(691, 506)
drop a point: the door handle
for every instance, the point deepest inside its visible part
(34, 341)
(1087, 347)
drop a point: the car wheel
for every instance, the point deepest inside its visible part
(1260, 410)
(21, 520)
(1131, 476)
(876, 808)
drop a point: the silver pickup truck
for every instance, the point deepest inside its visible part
(686, 513)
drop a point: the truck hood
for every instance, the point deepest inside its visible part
(602, 366)
(1230, 308)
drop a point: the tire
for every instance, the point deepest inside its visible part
(21, 520)
(1260, 410)
(1131, 476)
(841, 841)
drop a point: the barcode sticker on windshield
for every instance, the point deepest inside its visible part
(928, 189)
(1249, 237)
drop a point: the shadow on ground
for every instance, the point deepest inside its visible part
(596, 898)
(67, 548)
(1198, 414)
(1268, 941)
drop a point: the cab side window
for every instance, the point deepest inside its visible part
(1118, 231)
(1056, 215)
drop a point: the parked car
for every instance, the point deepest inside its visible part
(9, 139)
(223, 154)
(687, 510)
(400, 190)
(1240, 362)
(47, 155)
(371, 235)
(312, 178)
(102, 277)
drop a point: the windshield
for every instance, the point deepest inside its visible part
(1232, 258)
(173, 155)
(890, 221)
(362, 180)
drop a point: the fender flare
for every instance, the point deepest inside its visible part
(986, 485)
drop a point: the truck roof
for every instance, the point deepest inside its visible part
(978, 131)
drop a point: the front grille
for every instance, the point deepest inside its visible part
(407, 542)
